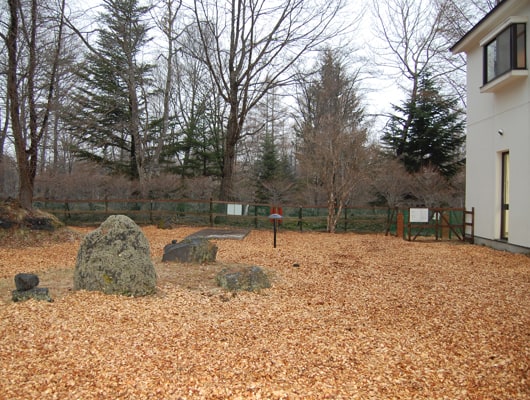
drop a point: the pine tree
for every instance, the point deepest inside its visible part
(427, 131)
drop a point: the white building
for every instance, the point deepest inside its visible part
(498, 133)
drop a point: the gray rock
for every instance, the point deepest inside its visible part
(26, 281)
(34, 293)
(244, 278)
(115, 259)
(193, 250)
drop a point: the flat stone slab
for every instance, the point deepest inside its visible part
(35, 293)
(191, 250)
(212, 233)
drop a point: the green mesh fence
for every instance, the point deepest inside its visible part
(253, 216)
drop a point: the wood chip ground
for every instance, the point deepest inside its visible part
(348, 317)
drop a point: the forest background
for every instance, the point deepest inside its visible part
(312, 102)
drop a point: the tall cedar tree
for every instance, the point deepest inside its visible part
(434, 138)
(108, 120)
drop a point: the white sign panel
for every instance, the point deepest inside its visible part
(419, 215)
(234, 209)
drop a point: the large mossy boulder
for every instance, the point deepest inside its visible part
(115, 259)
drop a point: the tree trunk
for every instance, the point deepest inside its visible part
(138, 155)
(3, 133)
(229, 158)
(25, 194)
(331, 224)
(168, 31)
(408, 123)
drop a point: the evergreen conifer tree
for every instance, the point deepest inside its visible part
(273, 173)
(107, 118)
(427, 131)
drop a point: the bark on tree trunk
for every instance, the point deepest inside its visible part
(331, 225)
(229, 161)
(25, 194)
(229, 156)
(135, 128)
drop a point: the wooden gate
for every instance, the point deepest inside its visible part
(440, 224)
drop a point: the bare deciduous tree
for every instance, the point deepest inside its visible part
(415, 35)
(249, 48)
(391, 182)
(457, 17)
(431, 188)
(410, 42)
(30, 85)
(333, 151)
(166, 23)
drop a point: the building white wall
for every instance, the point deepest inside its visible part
(507, 109)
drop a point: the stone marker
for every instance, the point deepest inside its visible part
(26, 288)
(192, 250)
(249, 279)
(26, 281)
(115, 259)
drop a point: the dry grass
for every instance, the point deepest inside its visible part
(362, 317)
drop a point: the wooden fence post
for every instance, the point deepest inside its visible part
(400, 225)
(211, 212)
(300, 222)
(151, 211)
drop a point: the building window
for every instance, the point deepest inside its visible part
(505, 194)
(506, 52)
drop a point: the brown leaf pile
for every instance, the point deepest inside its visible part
(359, 317)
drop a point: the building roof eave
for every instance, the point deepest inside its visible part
(474, 34)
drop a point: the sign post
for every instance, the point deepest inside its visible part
(275, 218)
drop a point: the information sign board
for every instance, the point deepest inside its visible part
(419, 215)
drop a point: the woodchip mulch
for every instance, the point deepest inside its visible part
(348, 317)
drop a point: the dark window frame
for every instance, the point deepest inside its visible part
(505, 194)
(514, 46)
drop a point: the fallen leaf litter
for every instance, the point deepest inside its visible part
(359, 317)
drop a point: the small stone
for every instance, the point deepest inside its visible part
(25, 281)
(249, 279)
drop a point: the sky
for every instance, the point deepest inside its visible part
(380, 92)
